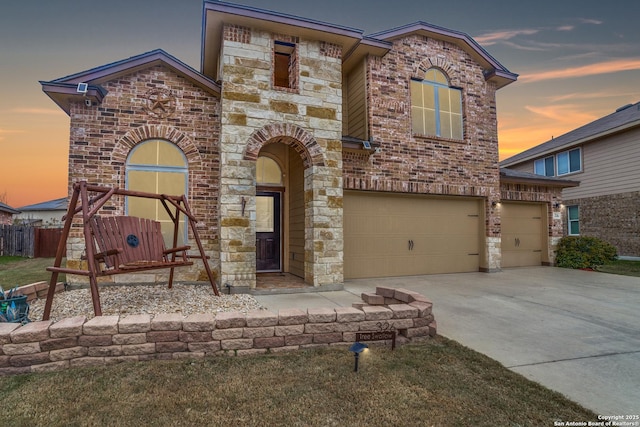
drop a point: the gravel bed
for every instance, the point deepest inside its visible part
(144, 299)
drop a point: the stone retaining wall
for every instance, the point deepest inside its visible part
(37, 290)
(74, 342)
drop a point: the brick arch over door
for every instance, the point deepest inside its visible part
(298, 138)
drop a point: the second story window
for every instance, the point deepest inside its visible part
(561, 164)
(569, 161)
(436, 107)
(544, 167)
(285, 67)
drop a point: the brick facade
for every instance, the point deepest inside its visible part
(408, 163)
(614, 219)
(102, 137)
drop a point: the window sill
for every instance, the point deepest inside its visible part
(437, 138)
(570, 173)
(286, 89)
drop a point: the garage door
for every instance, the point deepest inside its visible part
(523, 236)
(390, 235)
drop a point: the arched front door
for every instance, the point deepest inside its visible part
(268, 215)
(268, 231)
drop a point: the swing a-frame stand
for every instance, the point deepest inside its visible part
(123, 244)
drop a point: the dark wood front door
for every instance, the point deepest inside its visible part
(268, 240)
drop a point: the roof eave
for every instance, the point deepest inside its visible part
(63, 94)
(570, 144)
(534, 180)
(130, 65)
(367, 46)
(494, 70)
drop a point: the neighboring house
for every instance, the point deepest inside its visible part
(311, 149)
(6, 214)
(46, 214)
(603, 156)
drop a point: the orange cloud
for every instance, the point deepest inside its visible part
(568, 113)
(539, 125)
(582, 71)
(491, 38)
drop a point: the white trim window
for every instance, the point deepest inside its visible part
(573, 220)
(563, 163)
(569, 161)
(544, 166)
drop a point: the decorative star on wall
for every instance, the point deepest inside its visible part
(160, 103)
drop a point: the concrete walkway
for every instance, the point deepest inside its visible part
(573, 331)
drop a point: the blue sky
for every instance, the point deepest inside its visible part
(577, 61)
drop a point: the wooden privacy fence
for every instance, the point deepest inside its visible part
(25, 241)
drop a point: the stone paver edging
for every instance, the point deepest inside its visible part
(73, 342)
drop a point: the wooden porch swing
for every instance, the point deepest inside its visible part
(123, 244)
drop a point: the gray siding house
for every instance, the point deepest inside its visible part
(603, 156)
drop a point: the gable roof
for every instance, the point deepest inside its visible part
(354, 43)
(51, 205)
(64, 90)
(494, 71)
(217, 13)
(8, 209)
(623, 118)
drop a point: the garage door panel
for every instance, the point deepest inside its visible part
(379, 228)
(523, 234)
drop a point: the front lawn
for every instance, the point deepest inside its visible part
(623, 267)
(440, 383)
(18, 271)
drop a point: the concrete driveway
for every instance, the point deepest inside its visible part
(573, 331)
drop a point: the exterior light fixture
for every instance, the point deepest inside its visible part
(494, 203)
(557, 205)
(357, 348)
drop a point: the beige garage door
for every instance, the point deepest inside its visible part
(523, 237)
(389, 235)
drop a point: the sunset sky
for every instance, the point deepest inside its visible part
(578, 60)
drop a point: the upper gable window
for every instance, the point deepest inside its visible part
(285, 68)
(436, 107)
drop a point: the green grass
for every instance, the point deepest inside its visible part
(440, 383)
(622, 267)
(18, 271)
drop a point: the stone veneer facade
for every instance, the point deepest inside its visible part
(76, 342)
(307, 117)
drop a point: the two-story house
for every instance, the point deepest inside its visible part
(313, 150)
(603, 156)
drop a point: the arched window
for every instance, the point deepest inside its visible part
(157, 166)
(268, 172)
(436, 107)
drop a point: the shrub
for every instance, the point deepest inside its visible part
(584, 252)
